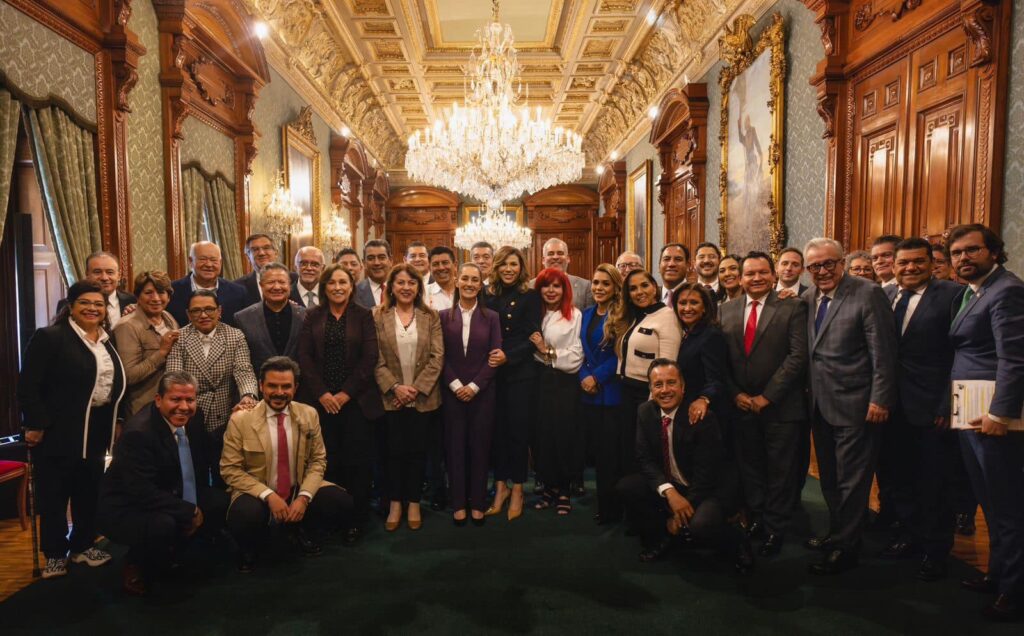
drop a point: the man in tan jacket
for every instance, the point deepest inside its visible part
(273, 464)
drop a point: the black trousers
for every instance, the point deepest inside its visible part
(613, 443)
(803, 458)
(558, 429)
(153, 537)
(351, 450)
(59, 480)
(215, 444)
(516, 408)
(437, 485)
(650, 514)
(847, 456)
(766, 452)
(248, 517)
(634, 393)
(405, 443)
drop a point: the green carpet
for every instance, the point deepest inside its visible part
(540, 574)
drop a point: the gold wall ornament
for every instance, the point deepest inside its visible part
(739, 51)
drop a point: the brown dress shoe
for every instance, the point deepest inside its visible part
(132, 580)
(1003, 609)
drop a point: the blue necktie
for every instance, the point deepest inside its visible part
(822, 310)
(899, 312)
(188, 473)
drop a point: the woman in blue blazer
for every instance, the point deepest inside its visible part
(601, 395)
(468, 396)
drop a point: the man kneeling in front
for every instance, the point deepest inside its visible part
(686, 485)
(157, 494)
(273, 464)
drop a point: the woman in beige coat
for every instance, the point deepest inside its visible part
(144, 339)
(408, 368)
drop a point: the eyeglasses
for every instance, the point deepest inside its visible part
(263, 248)
(829, 265)
(93, 304)
(860, 269)
(314, 264)
(203, 311)
(970, 251)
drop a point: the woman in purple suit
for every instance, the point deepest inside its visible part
(471, 333)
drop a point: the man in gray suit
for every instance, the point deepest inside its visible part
(272, 327)
(767, 339)
(377, 257)
(851, 347)
(556, 255)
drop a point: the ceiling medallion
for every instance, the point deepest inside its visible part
(493, 226)
(493, 148)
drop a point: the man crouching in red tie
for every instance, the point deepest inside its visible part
(284, 483)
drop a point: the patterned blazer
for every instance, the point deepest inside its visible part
(224, 376)
(429, 358)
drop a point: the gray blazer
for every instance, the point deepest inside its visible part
(853, 356)
(364, 295)
(581, 296)
(778, 359)
(253, 325)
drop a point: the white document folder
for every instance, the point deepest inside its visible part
(971, 399)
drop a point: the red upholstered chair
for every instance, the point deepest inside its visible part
(9, 471)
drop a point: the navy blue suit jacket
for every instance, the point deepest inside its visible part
(231, 297)
(988, 337)
(703, 359)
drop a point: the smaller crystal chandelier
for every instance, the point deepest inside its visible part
(337, 235)
(493, 226)
(281, 216)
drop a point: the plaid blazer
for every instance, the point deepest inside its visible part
(224, 376)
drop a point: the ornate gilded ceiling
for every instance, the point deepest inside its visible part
(388, 67)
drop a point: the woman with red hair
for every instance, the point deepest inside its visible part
(560, 354)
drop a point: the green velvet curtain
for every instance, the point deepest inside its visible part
(66, 167)
(220, 206)
(10, 110)
(192, 187)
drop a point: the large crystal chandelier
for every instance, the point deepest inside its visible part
(493, 226)
(337, 236)
(281, 216)
(494, 148)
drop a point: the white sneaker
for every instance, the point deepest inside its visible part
(55, 568)
(94, 557)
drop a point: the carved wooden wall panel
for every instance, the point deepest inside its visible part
(421, 213)
(913, 96)
(569, 213)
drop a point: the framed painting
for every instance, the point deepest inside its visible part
(302, 178)
(751, 135)
(638, 211)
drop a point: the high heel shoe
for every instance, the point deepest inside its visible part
(478, 522)
(391, 526)
(414, 524)
(514, 512)
(460, 522)
(496, 510)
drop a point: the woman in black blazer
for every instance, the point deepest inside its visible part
(338, 354)
(70, 392)
(519, 309)
(702, 354)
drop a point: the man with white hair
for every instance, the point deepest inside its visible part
(556, 254)
(309, 264)
(852, 367)
(627, 262)
(205, 259)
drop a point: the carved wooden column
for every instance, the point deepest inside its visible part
(608, 238)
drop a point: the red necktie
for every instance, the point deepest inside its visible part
(666, 445)
(748, 333)
(284, 473)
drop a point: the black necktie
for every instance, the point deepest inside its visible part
(900, 310)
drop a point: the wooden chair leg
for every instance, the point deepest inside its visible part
(22, 499)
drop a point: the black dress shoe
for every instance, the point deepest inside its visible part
(478, 522)
(899, 550)
(657, 552)
(931, 569)
(744, 557)
(965, 524)
(306, 545)
(771, 546)
(755, 530)
(981, 585)
(819, 543)
(835, 562)
(458, 523)
(1003, 609)
(246, 562)
(352, 536)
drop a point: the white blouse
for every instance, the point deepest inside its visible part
(104, 385)
(406, 341)
(564, 337)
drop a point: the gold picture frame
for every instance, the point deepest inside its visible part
(752, 88)
(639, 204)
(302, 162)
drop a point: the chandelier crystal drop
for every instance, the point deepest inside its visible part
(493, 226)
(494, 148)
(281, 216)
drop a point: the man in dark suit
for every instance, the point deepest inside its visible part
(918, 451)
(103, 269)
(377, 258)
(706, 261)
(686, 484)
(156, 493)
(767, 340)
(260, 250)
(788, 269)
(309, 265)
(272, 327)
(205, 260)
(988, 339)
(852, 369)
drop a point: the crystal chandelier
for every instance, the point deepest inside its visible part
(281, 216)
(493, 226)
(493, 148)
(337, 236)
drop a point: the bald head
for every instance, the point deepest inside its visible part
(206, 262)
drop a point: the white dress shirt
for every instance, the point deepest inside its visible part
(113, 310)
(206, 340)
(748, 306)
(563, 336)
(406, 339)
(891, 281)
(290, 437)
(467, 316)
(795, 287)
(674, 471)
(375, 290)
(104, 385)
(304, 294)
(196, 287)
(438, 298)
(914, 300)
(666, 294)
